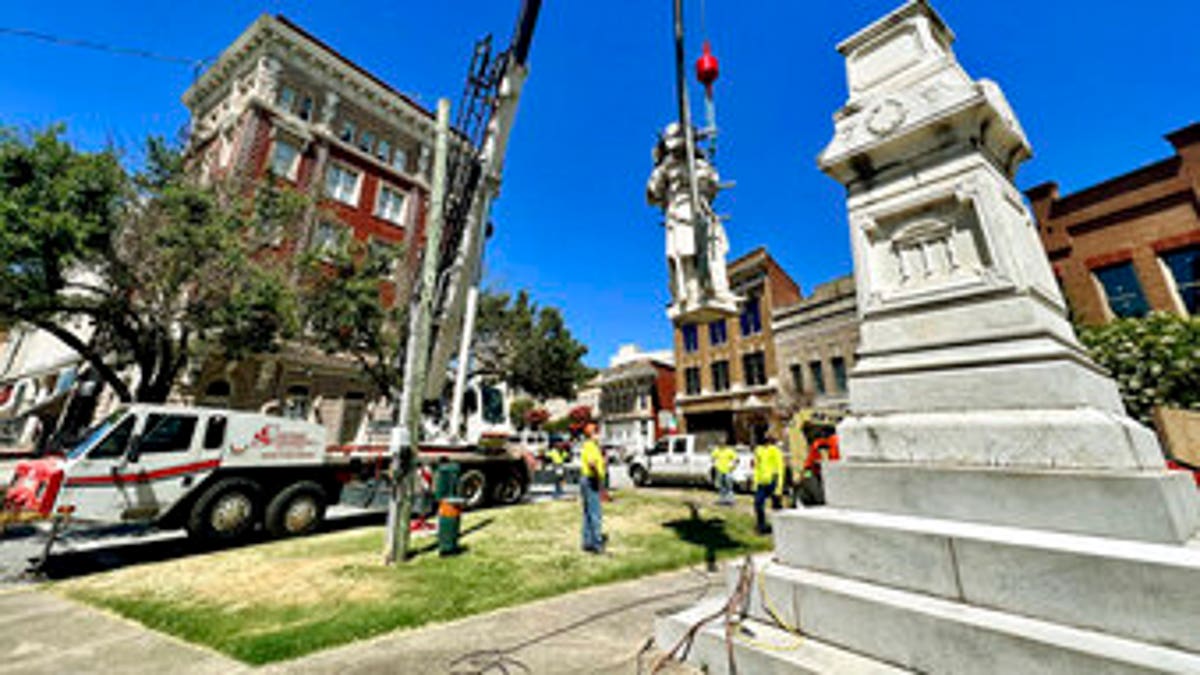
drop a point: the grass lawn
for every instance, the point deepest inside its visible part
(285, 599)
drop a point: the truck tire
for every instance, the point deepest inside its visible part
(510, 488)
(297, 510)
(226, 511)
(639, 475)
(472, 487)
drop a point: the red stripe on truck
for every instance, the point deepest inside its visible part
(168, 472)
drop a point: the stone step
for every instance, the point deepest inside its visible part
(934, 635)
(1154, 506)
(760, 648)
(1147, 592)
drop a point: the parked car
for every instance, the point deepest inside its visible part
(687, 458)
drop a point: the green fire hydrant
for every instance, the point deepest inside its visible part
(450, 506)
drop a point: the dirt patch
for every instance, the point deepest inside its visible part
(271, 576)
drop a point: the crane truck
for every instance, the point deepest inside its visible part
(224, 473)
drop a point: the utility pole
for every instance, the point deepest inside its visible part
(406, 437)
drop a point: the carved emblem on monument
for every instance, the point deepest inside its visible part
(886, 117)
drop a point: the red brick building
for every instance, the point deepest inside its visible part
(280, 102)
(1131, 244)
(727, 373)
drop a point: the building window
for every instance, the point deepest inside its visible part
(400, 161)
(366, 142)
(386, 253)
(383, 151)
(797, 377)
(1184, 265)
(306, 108)
(342, 184)
(839, 374)
(818, 377)
(691, 378)
(349, 130)
(287, 99)
(750, 319)
(720, 375)
(285, 159)
(755, 367)
(691, 338)
(1122, 289)
(716, 333)
(390, 205)
(325, 237)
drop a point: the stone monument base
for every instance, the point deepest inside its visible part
(880, 593)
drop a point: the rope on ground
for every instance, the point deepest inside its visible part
(732, 611)
(502, 661)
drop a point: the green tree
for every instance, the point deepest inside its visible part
(346, 311)
(165, 271)
(1155, 360)
(529, 347)
(517, 411)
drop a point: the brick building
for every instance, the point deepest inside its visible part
(1131, 244)
(726, 370)
(280, 102)
(637, 398)
(815, 341)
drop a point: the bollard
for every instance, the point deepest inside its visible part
(450, 507)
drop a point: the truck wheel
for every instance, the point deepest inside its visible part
(226, 512)
(639, 476)
(298, 509)
(510, 489)
(472, 487)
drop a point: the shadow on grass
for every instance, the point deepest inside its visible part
(432, 547)
(707, 532)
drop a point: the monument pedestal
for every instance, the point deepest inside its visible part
(995, 510)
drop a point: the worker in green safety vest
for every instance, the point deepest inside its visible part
(724, 458)
(768, 480)
(557, 459)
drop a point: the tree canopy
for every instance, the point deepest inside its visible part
(1155, 360)
(529, 347)
(161, 269)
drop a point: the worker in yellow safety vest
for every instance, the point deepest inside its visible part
(557, 459)
(768, 480)
(592, 471)
(724, 458)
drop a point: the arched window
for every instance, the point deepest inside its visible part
(296, 403)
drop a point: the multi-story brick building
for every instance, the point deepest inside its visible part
(280, 102)
(815, 341)
(637, 398)
(726, 370)
(1132, 243)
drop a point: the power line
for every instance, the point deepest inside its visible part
(103, 47)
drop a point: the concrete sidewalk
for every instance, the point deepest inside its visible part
(597, 630)
(42, 633)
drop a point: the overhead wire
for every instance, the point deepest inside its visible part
(59, 40)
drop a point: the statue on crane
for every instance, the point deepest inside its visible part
(684, 185)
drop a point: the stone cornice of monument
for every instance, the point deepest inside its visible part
(904, 81)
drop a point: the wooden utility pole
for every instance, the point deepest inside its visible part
(406, 437)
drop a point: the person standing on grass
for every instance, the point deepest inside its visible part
(724, 458)
(592, 471)
(557, 458)
(768, 480)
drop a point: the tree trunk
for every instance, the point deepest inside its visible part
(88, 354)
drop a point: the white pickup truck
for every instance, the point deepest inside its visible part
(687, 458)
(217, 473)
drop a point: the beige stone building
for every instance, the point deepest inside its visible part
(815, 341)
(726, 370)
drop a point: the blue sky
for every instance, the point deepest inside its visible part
(1096, 84)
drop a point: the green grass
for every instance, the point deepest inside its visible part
(282, 600)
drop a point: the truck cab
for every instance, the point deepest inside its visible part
(686, 458)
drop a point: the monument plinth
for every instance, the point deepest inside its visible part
(995, 509)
